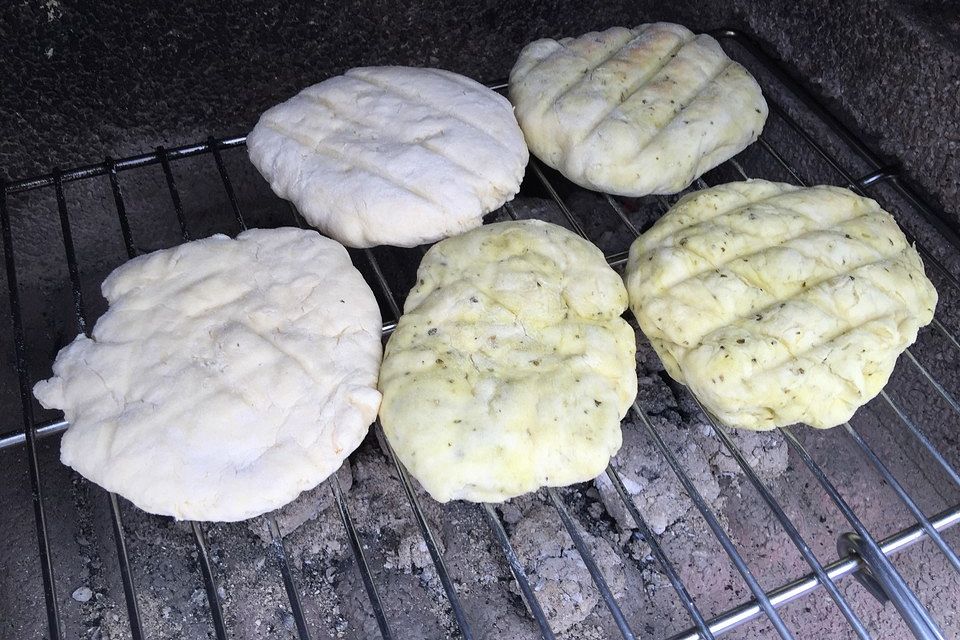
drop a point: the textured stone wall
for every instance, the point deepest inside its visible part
(892, 70)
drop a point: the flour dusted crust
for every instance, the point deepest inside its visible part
(392, 155)
(226, 377)
(779, 304)
(635, 111)
(511, 366)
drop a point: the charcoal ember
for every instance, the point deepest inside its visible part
(307, 506)
(648, 362)
(654, 396)
(650, 481)
(412, 553)
(599, 221)
(494, 621)
(511, 514)
(765, 451)
(645, 473)
(556, 571)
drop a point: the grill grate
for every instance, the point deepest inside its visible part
(861, 554)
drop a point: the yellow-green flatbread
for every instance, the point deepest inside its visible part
(511, 366)
(779, 304)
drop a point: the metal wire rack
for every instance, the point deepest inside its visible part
(861, 554)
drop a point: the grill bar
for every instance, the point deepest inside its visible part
(922, 437)
(357, 547)
(516, 568)
(845, 566)
(946, 333)
(126, 575)
(29, 435)
(121, 207)
(297, 218)
(739, 169)
(773, 153)
(685, 598)
(574, 223)
(764, 492)
(946, 395)
(209, 582)
(621, 214)
(426, 533)
(280, 553)
(591, 564)
(715, 527)
(174, 193)
(384, 287)
(73, 267)
(688, 486)
(80, 313)
(877, 176)
(790, 528)
(904, 496)
(19, 437)
(227, 184)
(913, 613)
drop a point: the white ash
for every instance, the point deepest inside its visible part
(412, 554)
(82, 594)
(556, 571)
(649, 480)
(765, 451)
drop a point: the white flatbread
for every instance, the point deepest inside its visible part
(779, 304)
(226, 377)
(392, 155)
(511, 367)
(635, 111)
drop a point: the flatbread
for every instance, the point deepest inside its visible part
(226, 377)
(779, 304)
(392, 155)
(511, 367)
(635, 111)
